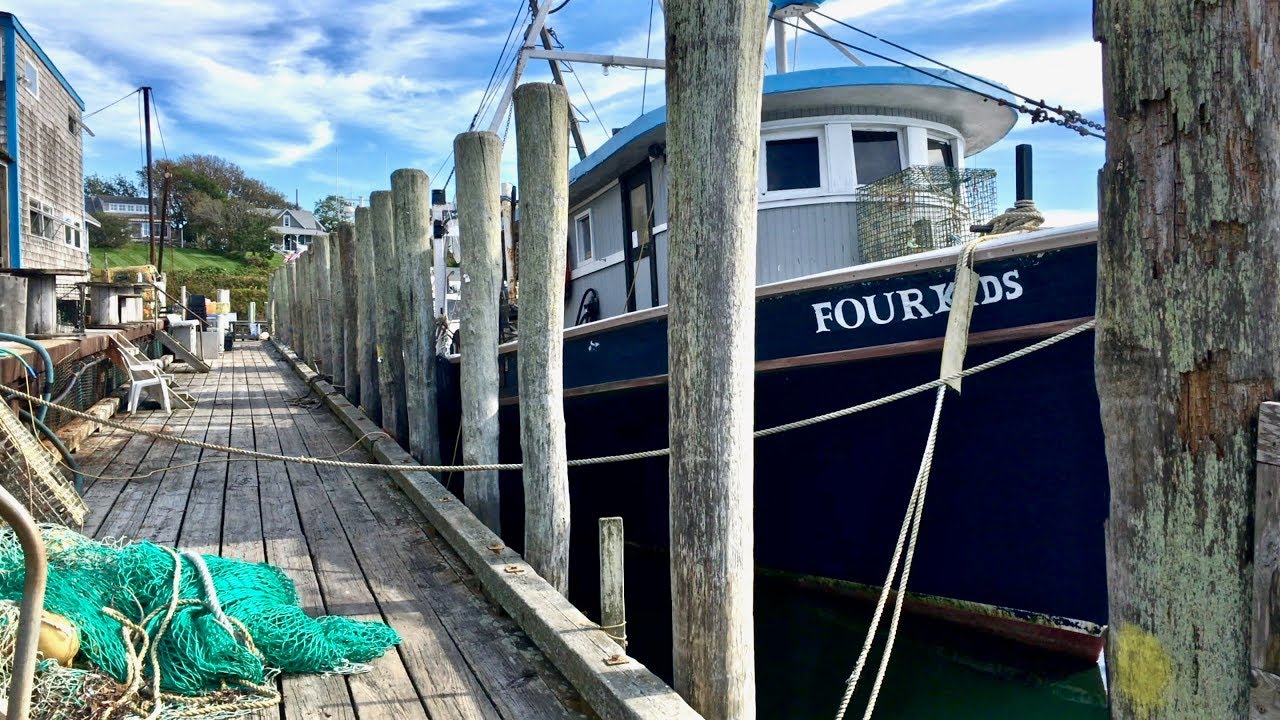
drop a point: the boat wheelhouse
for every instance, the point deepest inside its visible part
(824, 134)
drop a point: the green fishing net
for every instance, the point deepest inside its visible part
(121, 600)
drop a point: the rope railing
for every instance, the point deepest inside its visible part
(580, 462)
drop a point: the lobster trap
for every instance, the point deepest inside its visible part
(922, 208)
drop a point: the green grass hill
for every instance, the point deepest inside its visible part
(202, 271)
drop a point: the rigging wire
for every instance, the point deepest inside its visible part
(558, 8)
(592, 105)
(522, 11)
(1037, 114)
(1071, 115)
(648, 39)
(110, 105)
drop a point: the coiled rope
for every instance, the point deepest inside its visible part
(580, 462)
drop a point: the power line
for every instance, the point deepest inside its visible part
(1070, 115)
(1038, 114)
(110, 105)
(156, 109)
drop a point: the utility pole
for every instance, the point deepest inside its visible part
(714, 82)
(164, 218)
(151, 222)
(1188, 341)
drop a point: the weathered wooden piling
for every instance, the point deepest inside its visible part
(411, 198)
(1264, 652)
(338, 300)
(1188, 343)
(478, 159)
(13, 304)
(350, 314)
(42, 303)
(366, 309)
(323, 247)
(714, 78)
(542, 152)
(395, 416)
(295, 328)
(613, 586)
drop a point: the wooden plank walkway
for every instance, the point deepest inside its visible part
(350, 540)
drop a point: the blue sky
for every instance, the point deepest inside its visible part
(320, 96)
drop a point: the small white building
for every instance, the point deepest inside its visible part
(296, 228)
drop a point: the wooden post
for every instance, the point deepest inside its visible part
(42, 304)
(509, 254)
(714, 78)
(13, 304)
(308, 285)
(104, 305)
(613, 586)
(478, 159)
(395, 416)
(1188, 344)
(366, 311)
(323, 245)
(350, 314)
(338, 303)
(411, 197)
(295, 330)
(1264, 655)
(542, 153)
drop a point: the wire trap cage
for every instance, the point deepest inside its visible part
(28, 472)
(922, 208)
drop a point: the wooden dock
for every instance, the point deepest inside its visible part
(350, 540)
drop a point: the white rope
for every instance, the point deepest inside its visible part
(909, 533)
(580, 462)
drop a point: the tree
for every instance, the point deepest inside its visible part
(231, 226)
(118, 186)
(332, 212)
(197, 181)
(115, 231)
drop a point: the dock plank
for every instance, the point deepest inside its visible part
(350, 541)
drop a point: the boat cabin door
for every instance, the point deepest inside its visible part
(637, 227)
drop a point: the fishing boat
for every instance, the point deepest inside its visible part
(864, 204)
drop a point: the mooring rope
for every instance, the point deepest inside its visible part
(580, 462)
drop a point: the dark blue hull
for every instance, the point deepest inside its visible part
(1013, 525)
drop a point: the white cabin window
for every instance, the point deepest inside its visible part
(286, 221)
(30, 78)
(792, 164)
(941, 153)
(876, 155)
(586, 249)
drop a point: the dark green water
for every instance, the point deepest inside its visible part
(807, 642)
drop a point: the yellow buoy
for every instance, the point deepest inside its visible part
(59, 639)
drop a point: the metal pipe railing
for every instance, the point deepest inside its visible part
(24, 653)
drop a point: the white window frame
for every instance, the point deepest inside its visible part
(286, 221)
(579, 260)
(811, 131)
(904, 156)
(31, 77)
(956, 143)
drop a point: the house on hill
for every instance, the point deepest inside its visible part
(296, 229)
(42, 216)
(133, 209)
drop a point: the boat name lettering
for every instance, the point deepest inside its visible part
(910, 304)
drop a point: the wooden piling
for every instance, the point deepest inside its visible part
(42, 304)
(1264, 647)
(323, 247)
(714, 78)
(613, 586)
(311, 299)
(542, 152)
(478, 157)
(395, 416)
(411, 198)
(291, 281)
(366, 311)
(338, 301)
(1187, 345)
(13, 304)
(350, 313)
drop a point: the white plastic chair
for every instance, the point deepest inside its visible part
(143, 375)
